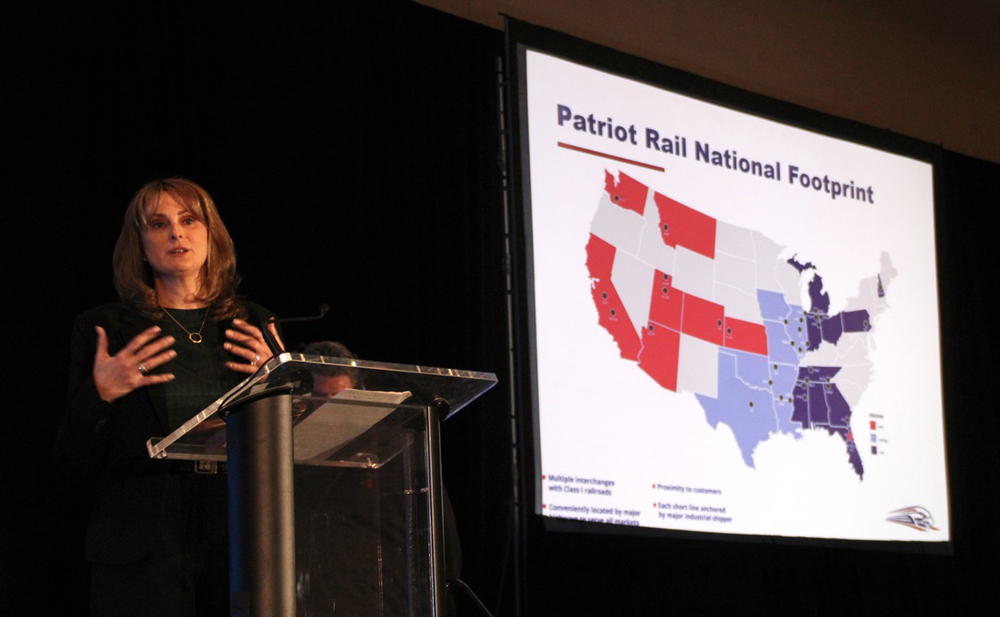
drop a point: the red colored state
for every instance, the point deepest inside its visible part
(600, 258)
(610, 310)
(667, 302)
(683, 226)
(703, 319)
(660, 353)
(628, 193)
(745, 336)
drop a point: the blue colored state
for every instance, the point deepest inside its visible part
(748, 411)
(797, 331)
(772, 305)
(783, 357)
(778, 347)
(778, 324)
(783, 377)
(751, 368)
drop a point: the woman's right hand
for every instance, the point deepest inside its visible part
(117, 375)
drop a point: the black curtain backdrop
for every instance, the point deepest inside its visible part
(354, 155)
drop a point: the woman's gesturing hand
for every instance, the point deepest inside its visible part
(246, 341)
(117, 375)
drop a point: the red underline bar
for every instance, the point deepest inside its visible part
(610, 156)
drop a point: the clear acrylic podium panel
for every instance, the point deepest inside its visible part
(361, 476)
(203, 436)
(362, 524)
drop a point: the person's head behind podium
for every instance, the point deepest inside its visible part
(330, 380)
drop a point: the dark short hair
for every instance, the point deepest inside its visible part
(333, 349)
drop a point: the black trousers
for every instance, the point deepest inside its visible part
(186, 573)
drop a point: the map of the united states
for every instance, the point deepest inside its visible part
(710, 308)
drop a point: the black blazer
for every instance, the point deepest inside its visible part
(104, 444)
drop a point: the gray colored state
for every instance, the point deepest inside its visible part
(633, 281)
(652, 249)
(738, 305)
(869, 297)
(698, 367)
(853, 349)
(853, 381)
(886, 272)
(773, 274)
(617, 226)
(734, 277)
(866, 298)
(733, 240)
(736, 272)
(694, 273)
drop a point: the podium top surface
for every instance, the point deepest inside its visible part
(380, 386)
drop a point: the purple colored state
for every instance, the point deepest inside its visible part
(748, 411)
(807, 412)
(818, 403)
(800, 266)
(814, 329)
(822, 327)
(856, 321)
(819, 413)
(820, 299)
(839, 410)
(827, 405)
(852, 449)
(832, 328)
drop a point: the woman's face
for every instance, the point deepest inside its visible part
(175, 240)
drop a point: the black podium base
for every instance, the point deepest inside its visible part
(261, 509)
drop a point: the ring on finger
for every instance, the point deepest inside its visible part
(256, 359)
(143, 370)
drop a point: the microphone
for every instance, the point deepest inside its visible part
(272, 344)
(323, 309)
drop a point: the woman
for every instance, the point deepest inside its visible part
(177, 340)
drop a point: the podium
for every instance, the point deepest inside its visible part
(335, 503)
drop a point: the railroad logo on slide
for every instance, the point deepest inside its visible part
(917, 517)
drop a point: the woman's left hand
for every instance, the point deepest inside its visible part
(247, 342)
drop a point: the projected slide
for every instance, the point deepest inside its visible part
(736, 320)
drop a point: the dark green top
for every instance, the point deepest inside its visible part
(200, 373)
